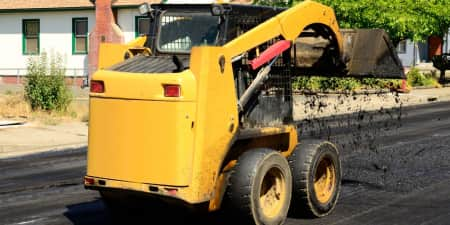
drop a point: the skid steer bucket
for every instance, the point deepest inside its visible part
(365, 53)
(370, 53)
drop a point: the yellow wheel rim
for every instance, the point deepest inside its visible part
(272, 194)
(325, 180)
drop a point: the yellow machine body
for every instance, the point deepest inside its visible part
(179, 147)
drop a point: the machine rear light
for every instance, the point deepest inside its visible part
(171, 191)
(89, 181)
(97, 86)
(172, 90)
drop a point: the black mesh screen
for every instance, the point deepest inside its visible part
(273, 104)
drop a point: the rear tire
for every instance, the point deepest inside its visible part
(259, 189)
(316, 172)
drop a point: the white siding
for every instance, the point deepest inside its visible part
(127, 22)
(55, 35)
(447, 43)
(407, 57)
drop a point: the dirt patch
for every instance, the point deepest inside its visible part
(14, 106)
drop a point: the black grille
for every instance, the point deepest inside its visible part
(273, 104)
(146, 64)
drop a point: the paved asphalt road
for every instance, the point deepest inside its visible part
(396, 170)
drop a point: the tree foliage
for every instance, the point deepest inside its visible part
(413, 19)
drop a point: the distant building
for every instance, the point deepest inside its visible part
(28, 28)
(413, 53)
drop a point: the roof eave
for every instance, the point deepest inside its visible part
(46, 9)
(18, 10)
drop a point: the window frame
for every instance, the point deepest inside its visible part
(74, 37)
(402, 47)
(136, 24)
(24, 37)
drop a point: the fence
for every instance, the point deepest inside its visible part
(15, 75)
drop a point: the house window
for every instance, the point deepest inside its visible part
(401, 47)
(142, 26)
(30, 40)
(79, 35)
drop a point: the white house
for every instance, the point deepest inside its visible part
(414, 53)
(28, 28)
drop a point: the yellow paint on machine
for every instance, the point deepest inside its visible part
(145, 86)
(129, 145)
(112, 53)
(138, 135)
(217, 118)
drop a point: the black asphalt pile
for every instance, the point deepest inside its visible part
(386, 149)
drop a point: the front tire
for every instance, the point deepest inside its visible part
(259, 189)
(316, 171)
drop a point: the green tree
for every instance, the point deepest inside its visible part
(413, 19)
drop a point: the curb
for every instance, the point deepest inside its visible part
(11, 123)
(426, 87)
(47, 149)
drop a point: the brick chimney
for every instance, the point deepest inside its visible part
(105, 30)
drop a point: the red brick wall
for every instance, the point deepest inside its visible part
(11, 79)
(434, 46)
(105, 30)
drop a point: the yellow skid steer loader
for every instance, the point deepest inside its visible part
(199, 111)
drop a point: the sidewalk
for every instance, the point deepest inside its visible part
(31, 138)
(18, 140)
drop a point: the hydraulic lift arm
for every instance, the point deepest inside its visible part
(288, 24)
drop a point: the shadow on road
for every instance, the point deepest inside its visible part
(93, 212)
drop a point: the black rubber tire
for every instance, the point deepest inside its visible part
(242, 196)
(304, 162)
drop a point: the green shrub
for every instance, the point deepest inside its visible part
(315, 83)
(325, 83)
(416, 78)
(281, 3)
(306, 83)
(376, 82)
(45, 88)
(336, 83)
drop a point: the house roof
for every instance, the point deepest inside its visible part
(14, 5)
(59, 4)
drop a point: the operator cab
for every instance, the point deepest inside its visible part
(175, 29)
